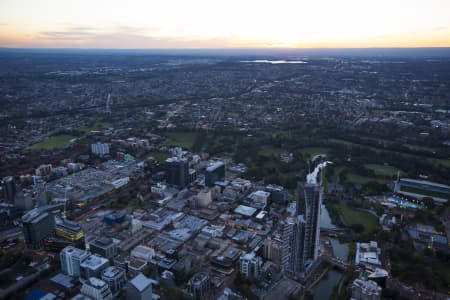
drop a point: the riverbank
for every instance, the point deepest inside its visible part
(360, 221)
(324, 286)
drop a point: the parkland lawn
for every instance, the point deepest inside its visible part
(53, 142)
(350, 216)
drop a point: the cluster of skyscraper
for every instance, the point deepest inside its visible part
(179, 173)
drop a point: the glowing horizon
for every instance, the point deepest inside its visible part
(224, 24)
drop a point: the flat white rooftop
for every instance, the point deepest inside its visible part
(245, 210)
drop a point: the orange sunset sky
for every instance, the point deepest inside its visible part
(224, 24)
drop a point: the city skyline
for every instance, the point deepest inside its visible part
(231, 24)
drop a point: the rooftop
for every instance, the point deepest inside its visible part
(93, 262)
(261, 214)
(103, 241)
(215, 165)
(259, 194)
(175, 159)
(136, 263)
(143, 250)
(379, 273)
(248, 256)
(95, 282)
(140, 282)
(63, 280)
(425, 182)
(199, 277)
(245, 210)
(35, 215)
(68, 225)
(112, 271)
(75, 252)
(368, 253)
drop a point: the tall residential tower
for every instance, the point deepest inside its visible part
(308, 204)
(300, 233)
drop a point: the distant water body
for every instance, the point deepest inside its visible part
(273, 62)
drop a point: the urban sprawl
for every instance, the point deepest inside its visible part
(135, 176)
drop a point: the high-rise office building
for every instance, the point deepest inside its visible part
(292, 258)
(273, 250)
(104, 246)
(71, 259)
(177, 170)
(37, 225)
(115, 278)
(9, 189)
(277, 193)
(40, 191)
(24, 201)
(300, 234)
(214, 172)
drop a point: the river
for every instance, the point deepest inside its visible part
(324, 289)
(325, 220)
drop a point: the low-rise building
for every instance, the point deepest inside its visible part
(97, 289)
(422, 188)
(136, 266)
(69, 230)
(259, 199)
(245, 210)
(143, 252)
(365, 290)
(368, 254)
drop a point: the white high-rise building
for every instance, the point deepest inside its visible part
(250, 265)
(100, 149)
(71, 259)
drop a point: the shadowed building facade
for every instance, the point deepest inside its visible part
(300, 234)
